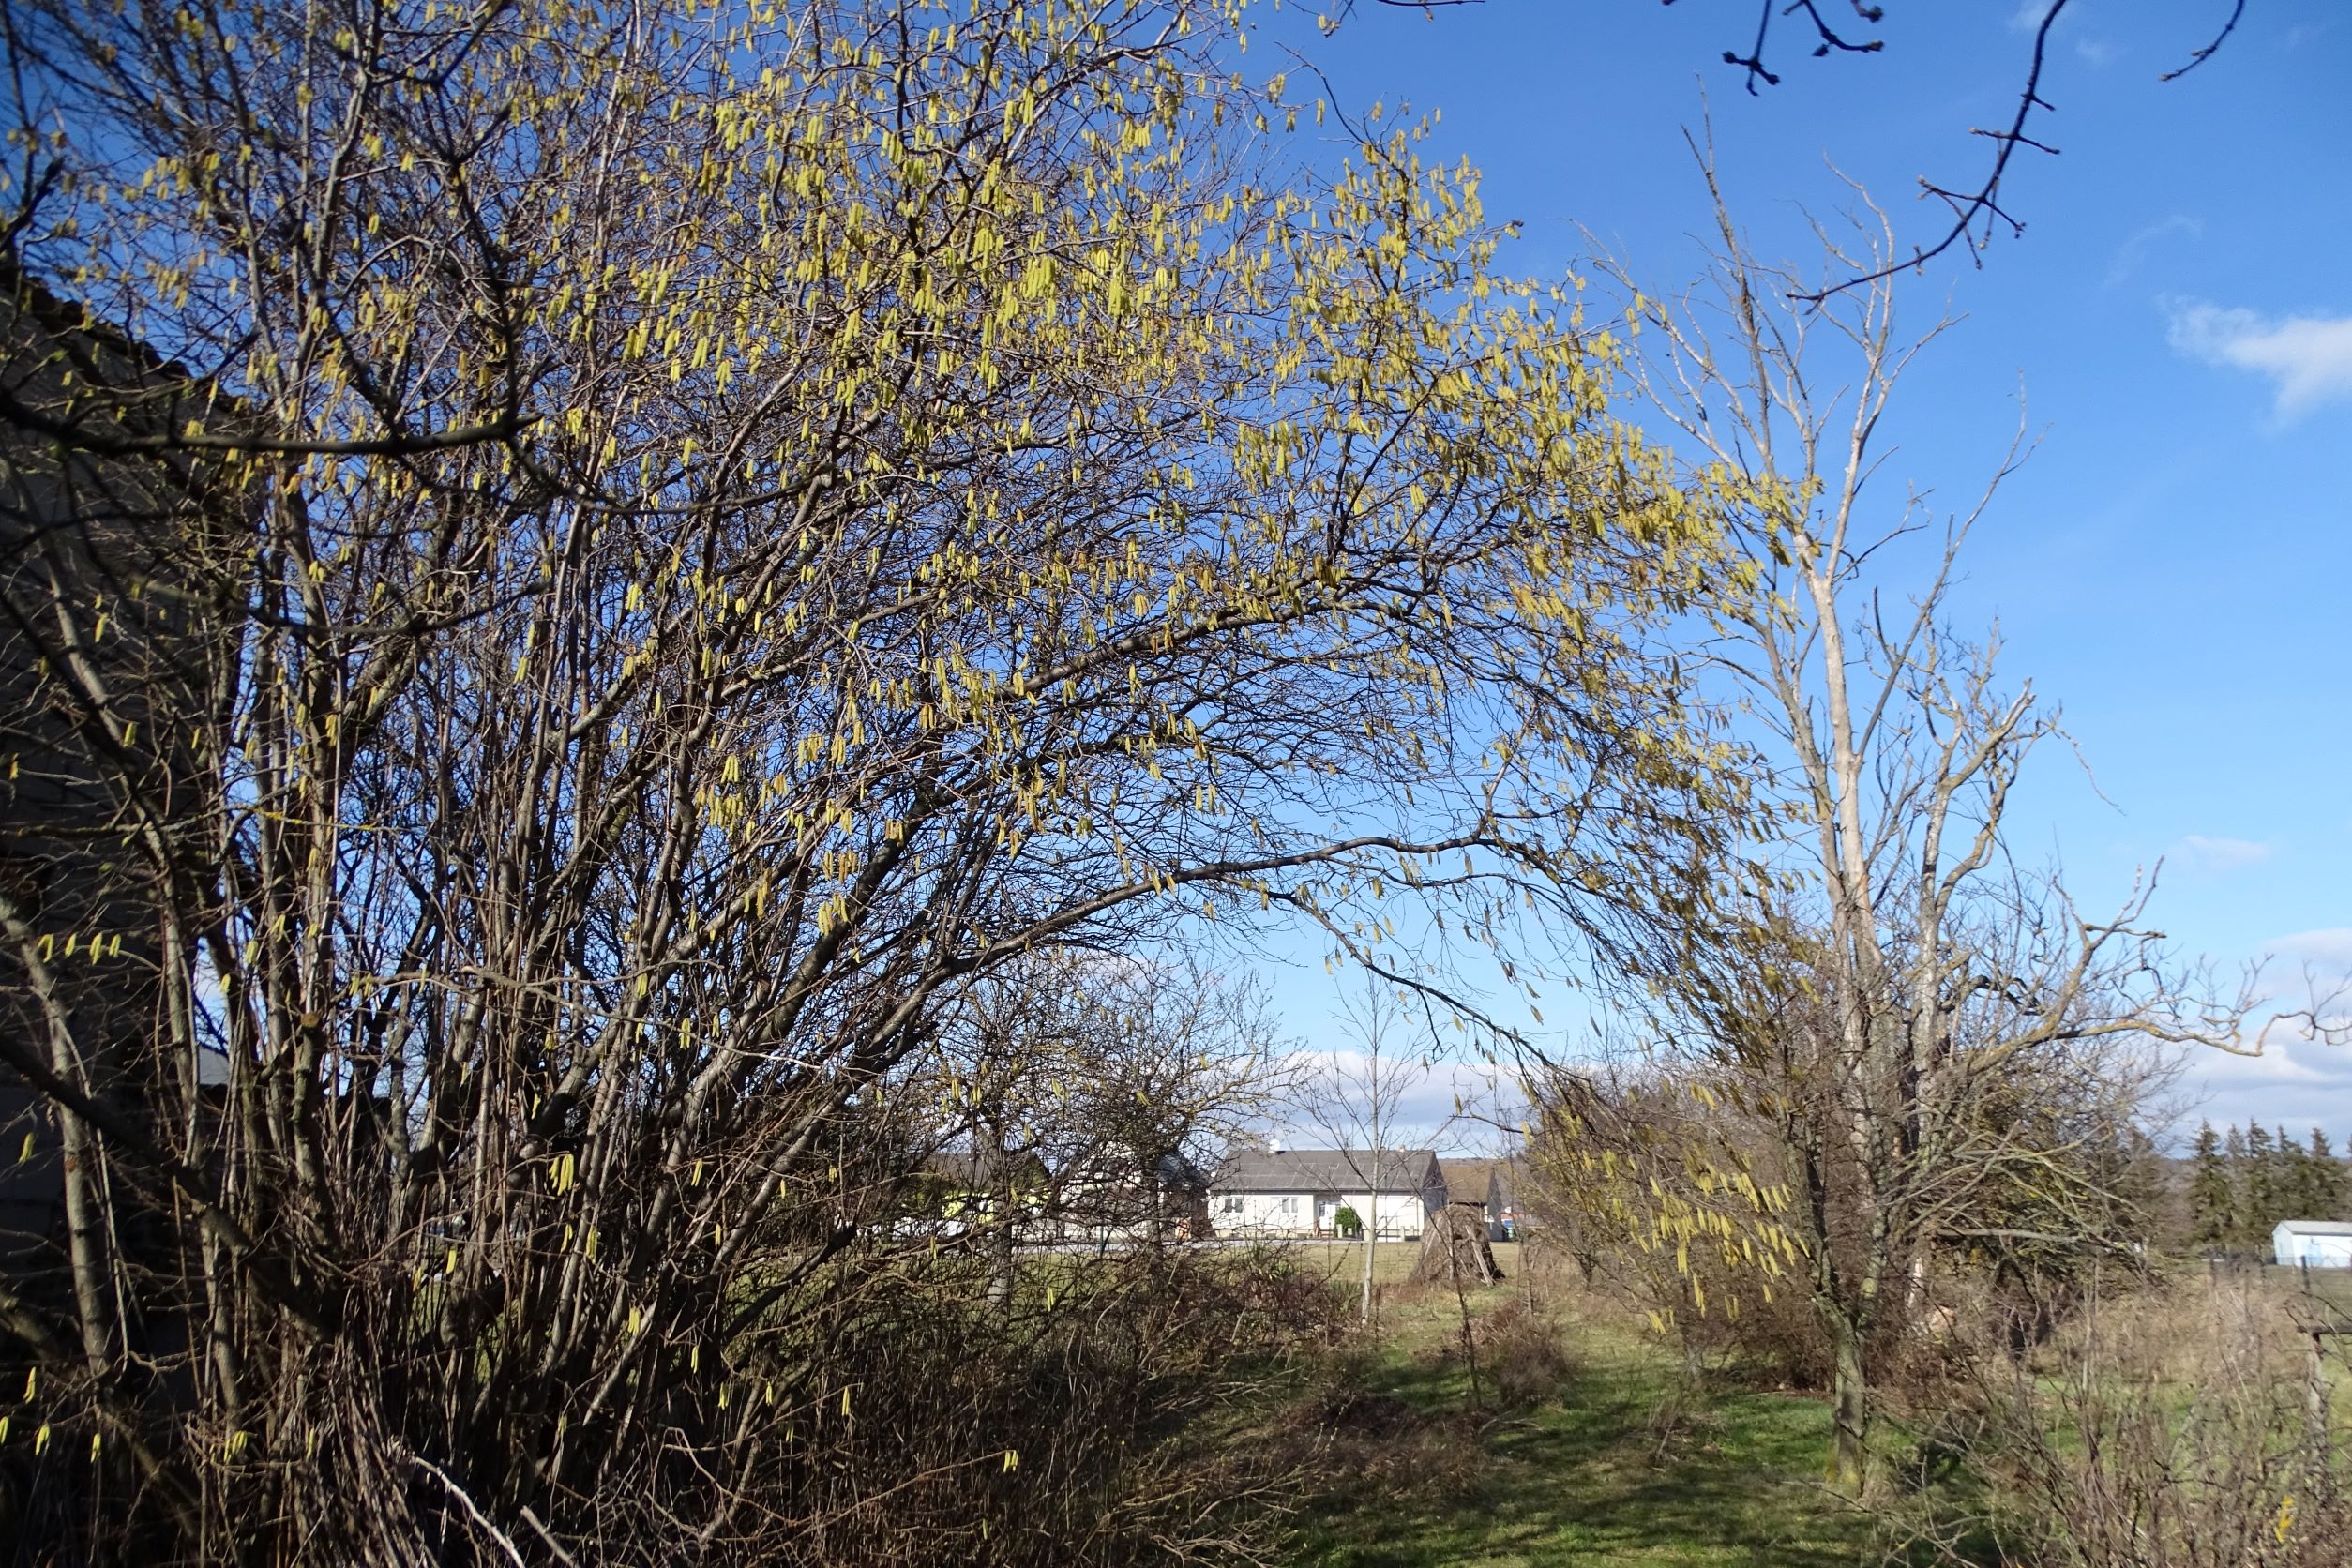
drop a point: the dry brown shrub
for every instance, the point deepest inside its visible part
(2172, 1426)
(1383, 1444)
(1526, 1355)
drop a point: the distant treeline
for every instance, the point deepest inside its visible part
(2243, 1182)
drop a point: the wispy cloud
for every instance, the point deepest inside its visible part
(2295, 1080)
(2136, 244)
(2292, 1082)
(2092, 50)
(2310, 358)
(2217, 855)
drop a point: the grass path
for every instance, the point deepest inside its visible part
(1608, 1469)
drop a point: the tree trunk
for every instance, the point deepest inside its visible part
(1372, 1220)
(1002, 1199)
(1849, 1459)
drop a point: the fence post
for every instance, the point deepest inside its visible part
(2322, 1464)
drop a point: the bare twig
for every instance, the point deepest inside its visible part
(1983, 202)
(2206, 54)
(473, 1511)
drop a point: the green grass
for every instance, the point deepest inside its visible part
(1626, 1461)
(1623, 1464)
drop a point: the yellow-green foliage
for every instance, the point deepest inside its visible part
(744, 518)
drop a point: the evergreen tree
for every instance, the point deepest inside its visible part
(2212, 1197)
(2327, 1180)
(2240, 1182)
(2291, 1186)
(2262, 1184)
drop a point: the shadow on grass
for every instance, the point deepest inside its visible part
(1614, 1469)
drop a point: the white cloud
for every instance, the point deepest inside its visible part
(2296, 1083)
(2028, 14)
(2217, 855)
(2329, 948)
(2310, 358)
(2096, 52)
(2296, 1080)
(1454, 1105)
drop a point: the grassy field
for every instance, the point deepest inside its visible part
(1599, 1449)
(1611, 1458)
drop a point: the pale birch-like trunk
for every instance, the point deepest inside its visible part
(1896, 755)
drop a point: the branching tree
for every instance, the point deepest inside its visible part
(1357, 1100)
(1123, 1078)
(1899, 994)
(687, 536)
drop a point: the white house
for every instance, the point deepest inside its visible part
(1116, 1195)
(2322, 1244)
(1300, 1192)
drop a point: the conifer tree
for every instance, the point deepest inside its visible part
(2327, 1177)
(2291, 1184)
(2212, 1197)
(2260, 1185)
(2240, 1182)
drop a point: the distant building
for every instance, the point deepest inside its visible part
(2320, 1243)
(960, 1190)
(1492, 1185)
(1300, 1192)
(1117, 1195)
(86, 536)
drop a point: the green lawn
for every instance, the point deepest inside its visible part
(1611, 1466)
(1615, 1456)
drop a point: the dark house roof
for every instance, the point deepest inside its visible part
(1178, 1174)
(1327, 1171)
(986, 1171)
(1481, 1181)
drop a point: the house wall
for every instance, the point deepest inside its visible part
(78, 531)
(1127, 1211)
(1261, 1212)
(2320, 1252)
(1400, 1214)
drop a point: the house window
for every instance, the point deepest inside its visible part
(1230, 1203)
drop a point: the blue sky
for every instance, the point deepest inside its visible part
(2173, 564)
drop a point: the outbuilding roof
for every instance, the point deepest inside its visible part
(985, 1170)
(1478, 1181)
(1327, 1171)
(2316, 1227)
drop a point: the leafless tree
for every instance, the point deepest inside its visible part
(1123, 1078)
(1897, 977)
(1356, 1097)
